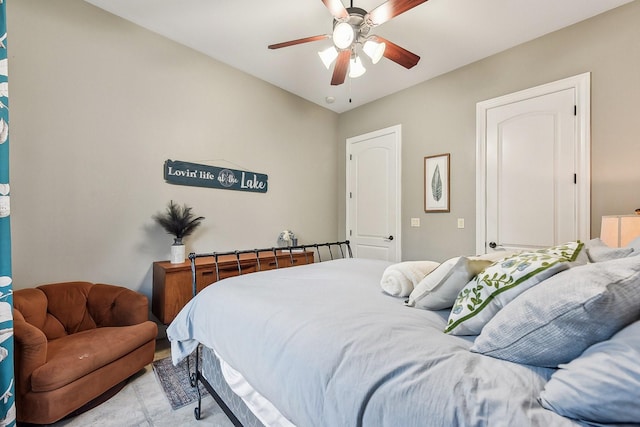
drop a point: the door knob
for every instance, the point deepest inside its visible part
(389, 238)
(492, 245)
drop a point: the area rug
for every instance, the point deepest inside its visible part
(175, 381)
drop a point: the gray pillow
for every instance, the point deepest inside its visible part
(602, 385)
(439, 289)
(555, 321)
(595, 242)
(635, 245)
(605, 253)
(581, 257)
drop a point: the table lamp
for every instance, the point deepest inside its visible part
(618, 230)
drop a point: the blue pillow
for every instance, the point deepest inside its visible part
(635, 245)
(602, 385)
(558, 319)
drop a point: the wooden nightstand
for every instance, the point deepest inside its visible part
(172, 284)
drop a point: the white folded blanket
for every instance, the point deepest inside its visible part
(399, 279)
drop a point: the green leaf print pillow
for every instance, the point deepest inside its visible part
(500, 283)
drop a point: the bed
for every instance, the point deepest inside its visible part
(325, 345)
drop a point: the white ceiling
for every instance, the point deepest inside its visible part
(446, 34)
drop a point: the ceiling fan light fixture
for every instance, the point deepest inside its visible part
(374, 50)
(351, 36)
(343, 35)
(328, 55)
(356, 69)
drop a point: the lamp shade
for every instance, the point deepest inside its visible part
(356, 69)
(374, 50)
(343, 35)
(619, 230)
(328, 55)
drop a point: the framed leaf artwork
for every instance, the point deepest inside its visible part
(436, 183)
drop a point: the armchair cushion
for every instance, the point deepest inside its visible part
(116, 306)
(68, 304)
(77, 355)
(33, 305)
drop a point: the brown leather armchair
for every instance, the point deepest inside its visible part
(73, 342)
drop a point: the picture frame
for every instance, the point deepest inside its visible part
(437, 183)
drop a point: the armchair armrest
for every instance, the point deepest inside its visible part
(111, 305)
(30, 350)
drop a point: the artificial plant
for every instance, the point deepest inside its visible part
(178, 221)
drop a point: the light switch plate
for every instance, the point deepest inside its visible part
(460, 222)
(415, 222)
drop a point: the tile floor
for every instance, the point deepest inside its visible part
(141, 403)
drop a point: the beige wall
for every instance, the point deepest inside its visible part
(98, 105)
(438, 116)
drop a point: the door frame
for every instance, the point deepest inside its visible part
(581, 83)
(396, 130)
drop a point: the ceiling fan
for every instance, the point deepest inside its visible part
(351, 27)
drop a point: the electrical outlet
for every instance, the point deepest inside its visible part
(415, 222)
(460, 222)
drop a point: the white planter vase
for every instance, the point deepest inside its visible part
(177, 254)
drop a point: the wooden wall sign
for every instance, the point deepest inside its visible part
(195, 175)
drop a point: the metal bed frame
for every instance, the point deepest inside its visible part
(197, 375)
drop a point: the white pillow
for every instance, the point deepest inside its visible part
(439, 289)
(399, 279)
(498, 284)
(602, 385)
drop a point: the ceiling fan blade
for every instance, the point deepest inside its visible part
(390, 9)
(298, 41)
(341, 67)
(336, 8)
(398, 54)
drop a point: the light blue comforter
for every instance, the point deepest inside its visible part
(327, 347)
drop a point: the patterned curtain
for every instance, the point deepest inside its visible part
(7, 405)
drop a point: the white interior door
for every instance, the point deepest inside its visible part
(373, 194)
(534, 162)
